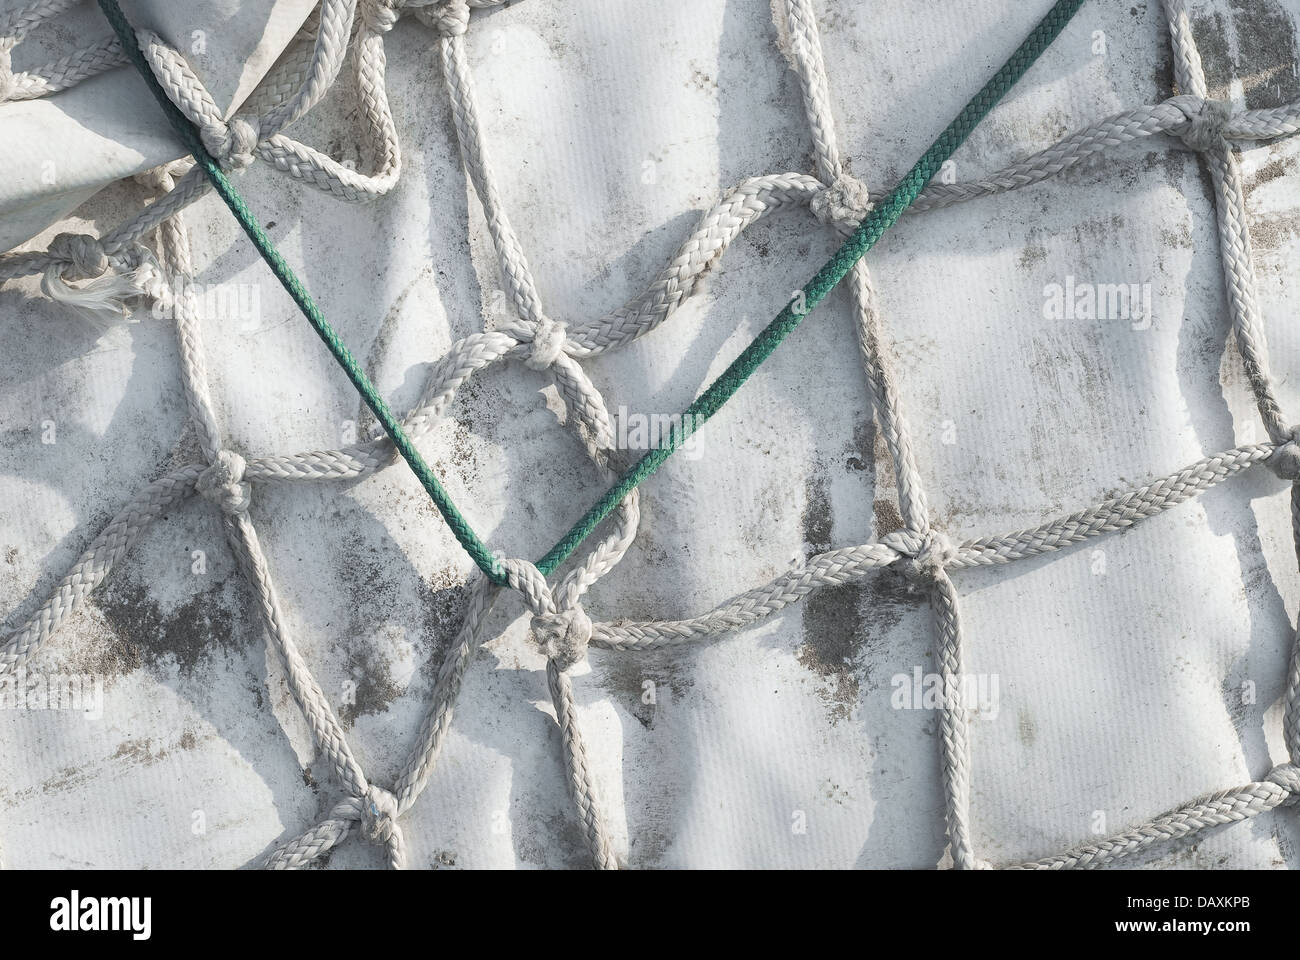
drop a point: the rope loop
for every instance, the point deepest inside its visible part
(846, 201)
(1285, 461)
(82, 255)
(223, 483)
(1207, 119)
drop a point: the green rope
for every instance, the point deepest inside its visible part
(190, 137)
(717, 393)
(864, 238)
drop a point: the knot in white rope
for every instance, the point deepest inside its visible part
(1206, 121)
(232, 144)
(161, 178)
(563, 636)
(450, 17)
(1286, 776)
(223, 483)
(379, 15)
(547, 345)
(378, 815)
(922, 557)
(1285, 461)
(81, 255)
(846, 201)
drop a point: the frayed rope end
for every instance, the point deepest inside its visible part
(106, 301)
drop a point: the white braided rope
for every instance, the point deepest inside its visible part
(1228, 806)
(68, 71)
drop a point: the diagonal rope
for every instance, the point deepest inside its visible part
(708, 403)
(827, 278)
(460, 527)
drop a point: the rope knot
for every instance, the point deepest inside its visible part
(378, 814)
(232, 144)
(1286, 776)
(1206, 121)
(82, 255)
(379, 15)
(563, 636)
(846, 201)
(1285, 461)
(450, 18)
(548, 344)
(223, 483)
(161, 178)
(922, 557)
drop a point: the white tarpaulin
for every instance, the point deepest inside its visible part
(1113, 680)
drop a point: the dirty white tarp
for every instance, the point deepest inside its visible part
(56, 152)
(1122, 678)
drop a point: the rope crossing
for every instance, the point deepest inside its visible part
(107, 275)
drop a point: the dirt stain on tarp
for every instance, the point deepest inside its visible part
(1266, 59)
(837, 635)
(1266, 37)
(640, 684)
(380, 579)
(831, 621)
(142, 635)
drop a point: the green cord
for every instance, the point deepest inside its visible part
(189, 135)
(864, 238)
(717, 393)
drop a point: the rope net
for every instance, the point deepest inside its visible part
(147, 260)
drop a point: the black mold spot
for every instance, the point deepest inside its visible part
(540, 840)
(1026, 730)
(888, 517)
(443, 859)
